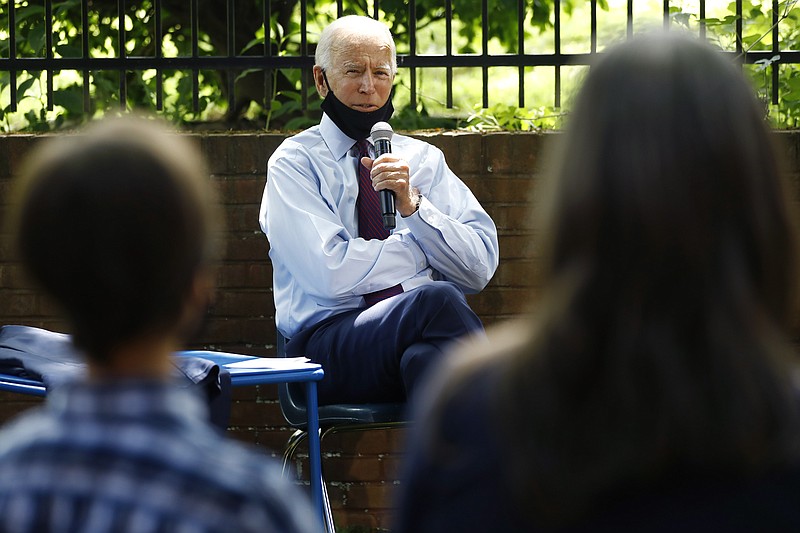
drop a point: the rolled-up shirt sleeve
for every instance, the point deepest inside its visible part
(459, 238)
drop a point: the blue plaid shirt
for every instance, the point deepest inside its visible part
(137, 457)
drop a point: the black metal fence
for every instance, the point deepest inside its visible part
(241, 38)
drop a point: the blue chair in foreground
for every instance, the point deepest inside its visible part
(333, 418)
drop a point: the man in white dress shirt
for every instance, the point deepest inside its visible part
(376, 310)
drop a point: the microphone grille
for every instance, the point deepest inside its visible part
(381, 131)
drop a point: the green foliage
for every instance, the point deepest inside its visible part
(286, 98)
(502, 117)
(757, 26)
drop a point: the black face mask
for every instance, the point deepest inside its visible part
(354, 124)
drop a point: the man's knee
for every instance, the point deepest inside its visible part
(442, 293)
(444, 302)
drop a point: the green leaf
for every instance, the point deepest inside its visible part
(23, 13)
(36, 39)
(68, 50)
(70, 98)
(23, 87)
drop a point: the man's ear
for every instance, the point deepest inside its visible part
(319, 81)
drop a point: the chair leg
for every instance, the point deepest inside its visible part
(291, 447)
(329, 527)
(288, 453)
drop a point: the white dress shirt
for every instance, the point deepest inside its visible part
(321, 266)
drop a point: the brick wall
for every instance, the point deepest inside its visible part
(361, 467)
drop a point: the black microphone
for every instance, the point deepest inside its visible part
(381, 134)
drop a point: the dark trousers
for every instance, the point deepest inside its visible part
(381, 353)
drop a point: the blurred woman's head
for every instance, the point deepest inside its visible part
(667, 194)
(668, 283)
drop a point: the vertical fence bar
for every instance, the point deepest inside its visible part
(448, 39)
(87, 101)
(12, 51)
(739, 47)
(376, 9)
(159, 53)
(666, 14)
(230, 75)
(48, 53)
(521, 51)
(485, 50)
(269, 73)
(195, 36)
(339, 8)
(702, 19)
(557, 51)
(412, 50)
(593, 27)
(122, 53)
(629, 20)
(304, 73)
(776, 50)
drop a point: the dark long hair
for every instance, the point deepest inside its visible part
(669, 286)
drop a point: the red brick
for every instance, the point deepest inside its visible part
(5, 166)
(235, 303)
(239, 189)
(366, 468)
(7, 252)
(370, 495)
(215, 329)
(242, 217)
(508, 189)
(510, 152)
(245, 275)
(372, 520)
(391, 466)
(522, 246)
(466, 145)
(365, 442)
(512, 217)
(19, 304)
(18, 148)
(274, 439)
(12, 276)
(7, 187)
(249, 246)
(517, 273)
(256, 414)
(260, 329)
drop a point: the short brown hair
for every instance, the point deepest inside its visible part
(115, 223)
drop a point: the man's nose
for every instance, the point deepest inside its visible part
(367, 83)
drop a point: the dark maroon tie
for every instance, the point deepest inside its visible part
(370, 221)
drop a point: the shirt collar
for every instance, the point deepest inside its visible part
(338, 143)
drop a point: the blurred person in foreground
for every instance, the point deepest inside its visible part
(119, 226)
(653, 388)
(375, 307)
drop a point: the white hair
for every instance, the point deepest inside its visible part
(346, 26)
